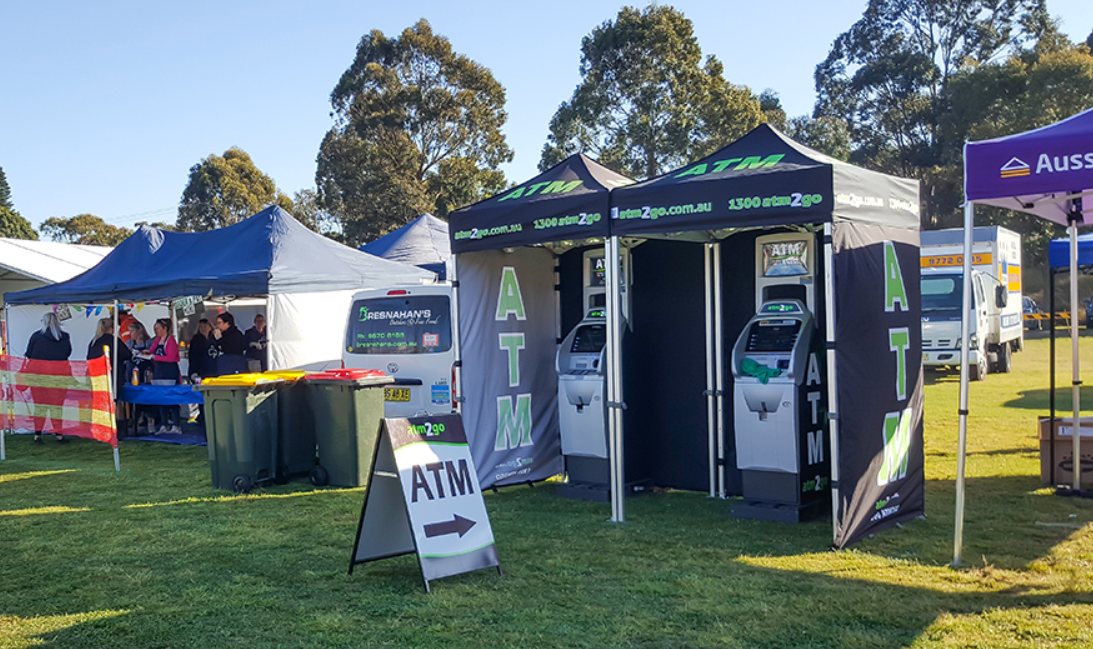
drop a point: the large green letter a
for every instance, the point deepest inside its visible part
(509, 300)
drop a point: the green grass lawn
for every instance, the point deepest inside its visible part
(154, 557)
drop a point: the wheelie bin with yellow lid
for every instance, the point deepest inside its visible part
(348, 406)
(295, 426)
(241, 428)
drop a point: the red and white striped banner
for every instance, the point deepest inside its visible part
(58, 397)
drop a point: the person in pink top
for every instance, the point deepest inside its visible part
(164, 355)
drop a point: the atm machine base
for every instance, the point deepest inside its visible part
(589, 478)
(776, 496)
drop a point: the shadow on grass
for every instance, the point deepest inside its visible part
(1041, 399)
(271, 571)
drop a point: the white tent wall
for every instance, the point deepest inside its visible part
(24, 320)
(306, 330)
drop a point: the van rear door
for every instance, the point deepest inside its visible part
(407, 333)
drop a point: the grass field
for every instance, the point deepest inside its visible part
(154, 557)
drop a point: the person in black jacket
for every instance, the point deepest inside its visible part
(230, 346)
(200, 354)
(257, 342)
(50, 343)
(104, 337)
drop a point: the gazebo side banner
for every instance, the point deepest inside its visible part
(871, 221)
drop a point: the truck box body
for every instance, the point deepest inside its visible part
(996, 322)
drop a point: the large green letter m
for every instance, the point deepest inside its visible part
(513, 425)
(897, 447)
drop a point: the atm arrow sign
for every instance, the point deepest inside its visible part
(457, 524)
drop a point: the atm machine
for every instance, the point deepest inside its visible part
(779, 388)
(582, 388)
(582, 384)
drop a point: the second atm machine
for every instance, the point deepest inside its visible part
(582, 386)
(780, 388)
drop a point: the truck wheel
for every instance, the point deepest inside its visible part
(978, 372)
(1005, 359)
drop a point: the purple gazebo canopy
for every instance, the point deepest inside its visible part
(1038, 171)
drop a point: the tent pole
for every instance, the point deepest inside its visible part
(707, 249)
(457, 349)
(3, 387)
(832, 376)
(962, 438)
(1075, 363)
(719, 367)
(614, 379)
(110, 390)
(1051, 328)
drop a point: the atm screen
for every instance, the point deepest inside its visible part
(773, 335)
(589, 339)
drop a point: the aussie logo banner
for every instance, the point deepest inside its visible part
(880, 379)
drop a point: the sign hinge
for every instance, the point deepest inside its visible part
(617, 404)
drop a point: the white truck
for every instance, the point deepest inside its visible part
(996, 316)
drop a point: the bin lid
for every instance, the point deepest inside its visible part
(354, 376)
(235, 380)
(289, 376)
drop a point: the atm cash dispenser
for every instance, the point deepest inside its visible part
(779, 392)
(581, 393)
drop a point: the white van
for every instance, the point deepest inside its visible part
(407, 333)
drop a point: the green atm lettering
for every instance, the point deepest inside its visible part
(894, 290)
(509, 301)
(547, 187)
(561, 187)
(751, 162)
(897, 447)
(513, 424)
(513, 343)
(755, 162)
(899, 339)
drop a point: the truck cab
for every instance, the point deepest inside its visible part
(407, 333)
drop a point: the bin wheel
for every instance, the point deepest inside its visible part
(280, 476)
(319, 477)
(242, 484)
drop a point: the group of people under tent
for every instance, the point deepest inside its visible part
(215, 350)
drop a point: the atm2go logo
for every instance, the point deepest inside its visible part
(428, 429)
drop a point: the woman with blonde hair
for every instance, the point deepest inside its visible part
(104, 338)
(50, 343)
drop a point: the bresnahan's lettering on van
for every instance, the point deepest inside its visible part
(408, 317)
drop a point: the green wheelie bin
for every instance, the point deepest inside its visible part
(348, 406)
(241, 428)
(295, 426)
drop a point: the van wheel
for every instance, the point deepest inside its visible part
(1005, 359)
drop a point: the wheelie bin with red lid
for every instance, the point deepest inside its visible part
(348, 407)
(241, 428)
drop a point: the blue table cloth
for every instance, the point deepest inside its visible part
(160, 395)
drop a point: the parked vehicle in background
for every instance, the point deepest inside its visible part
(1031, 308)
(996, 301)
(1089, 313)
(408, 333)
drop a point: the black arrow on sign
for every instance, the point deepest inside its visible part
(457, 524)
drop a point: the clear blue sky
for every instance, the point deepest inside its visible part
(106, 105)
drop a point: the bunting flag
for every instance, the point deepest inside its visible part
(66, 397)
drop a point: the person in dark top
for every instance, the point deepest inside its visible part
(230, 346)
(50, 343)
(256, 345)
(104, 337)
(202, 364)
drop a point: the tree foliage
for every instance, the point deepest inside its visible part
(1035, 87)
(647, 102)
(224, 190)
(12, 224)
(888, 73)
(84, 229)
(310, 211)
(418, 129)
